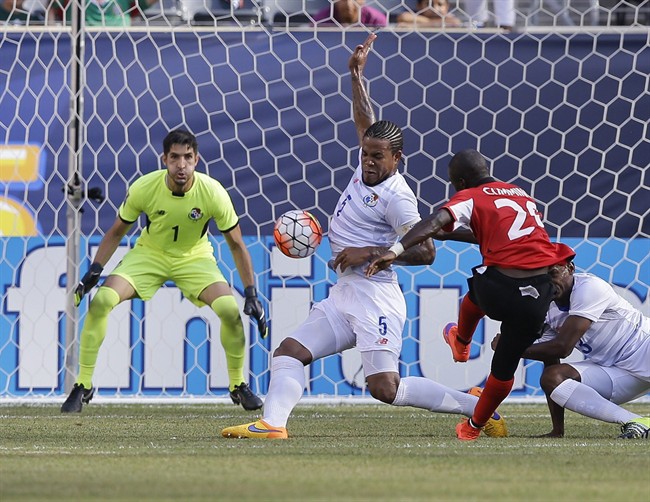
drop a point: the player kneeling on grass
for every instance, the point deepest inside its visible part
(615, 339)
(374, 210)
(174, 246)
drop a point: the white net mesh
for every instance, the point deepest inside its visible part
(562, 112)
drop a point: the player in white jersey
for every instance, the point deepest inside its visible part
(615, 339)
(376, 208)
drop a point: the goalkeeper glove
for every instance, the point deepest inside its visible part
(88, 282)
(253, 308)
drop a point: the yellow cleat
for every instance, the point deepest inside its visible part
(259, 429)
(496, 426)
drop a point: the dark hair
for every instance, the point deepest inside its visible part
(180, 137)
(385, 129)
(471, 166)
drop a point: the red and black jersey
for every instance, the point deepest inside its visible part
(507, 225)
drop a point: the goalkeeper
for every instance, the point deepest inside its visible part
(174, 246)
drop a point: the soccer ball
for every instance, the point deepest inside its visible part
(297, 234)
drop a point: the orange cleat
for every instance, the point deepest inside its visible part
(466, 432)
(496, 426)
(459, 349)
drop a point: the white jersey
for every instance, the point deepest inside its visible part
(372, 216)
(619, 334)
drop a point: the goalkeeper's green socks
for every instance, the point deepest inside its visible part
(232, 337)
(94, 331)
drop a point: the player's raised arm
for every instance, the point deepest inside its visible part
(364, 116)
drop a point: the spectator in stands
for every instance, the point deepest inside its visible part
(559, 10)
(106, 13)
(350, 12)
(11, 10)
(478, 14)
(21, 12)
(428, 13)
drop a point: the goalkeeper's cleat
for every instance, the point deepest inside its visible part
(496, 426)
(77, 398)
(459, 349)
(242, 394)
(637, 428)
(255, 430)
(466, 431)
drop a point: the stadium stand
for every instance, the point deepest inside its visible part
(293, 12)
(219, 12)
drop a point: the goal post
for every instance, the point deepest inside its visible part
(565, 115)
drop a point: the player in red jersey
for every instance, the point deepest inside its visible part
(512, 285)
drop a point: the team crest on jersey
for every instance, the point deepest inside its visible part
(195, 214)
(371, 200)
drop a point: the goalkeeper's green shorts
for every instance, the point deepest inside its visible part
(147, 270)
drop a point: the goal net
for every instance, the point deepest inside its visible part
(563, 112)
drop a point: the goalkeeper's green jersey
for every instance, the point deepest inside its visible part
(178, 225)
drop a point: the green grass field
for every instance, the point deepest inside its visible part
(345, 452)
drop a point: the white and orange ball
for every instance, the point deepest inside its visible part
(297, 233)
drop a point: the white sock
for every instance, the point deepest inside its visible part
(285, 390)
(424, 393)
(578, 397)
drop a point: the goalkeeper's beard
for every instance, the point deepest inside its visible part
(179, 185)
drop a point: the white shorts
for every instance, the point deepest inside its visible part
(357, 313)
(615, 384)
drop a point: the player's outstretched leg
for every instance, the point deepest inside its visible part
(77, 398)
(637, 428)
(242, 394)
(285, 390)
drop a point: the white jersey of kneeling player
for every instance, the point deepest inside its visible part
(619, 334)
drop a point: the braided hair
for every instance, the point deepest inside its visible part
(385, 129)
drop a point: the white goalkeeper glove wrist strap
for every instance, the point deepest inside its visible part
(397, 248)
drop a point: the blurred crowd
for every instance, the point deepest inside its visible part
(504, 15)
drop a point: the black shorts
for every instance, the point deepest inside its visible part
(521, 306)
